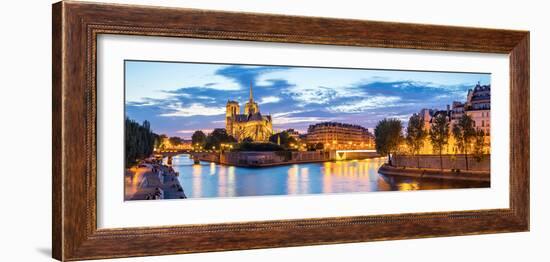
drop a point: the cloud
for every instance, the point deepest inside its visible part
(404, 118)
(300, 119)
(146, 79)
(191, 131)
(283, 114)
(291, 118)
(439, 87)
(324, 85)
(320, 95)
(269, 99)
(317, 85)
(323, 95)
(141, 103)
(194, 109)
(245, 74)
(366, 104)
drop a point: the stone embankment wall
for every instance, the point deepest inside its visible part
(449, 162)
(270, 158)
(276, 158)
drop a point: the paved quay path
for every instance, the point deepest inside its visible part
(152, 181)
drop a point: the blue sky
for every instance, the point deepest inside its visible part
(179, 98)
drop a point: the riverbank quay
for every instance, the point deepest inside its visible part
(277, 158)
(447, 162)
(151, 181)
(429, 173)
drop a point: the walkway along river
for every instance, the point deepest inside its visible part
(208, 179)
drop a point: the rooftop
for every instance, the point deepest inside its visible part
(253, 117)
(335, 124)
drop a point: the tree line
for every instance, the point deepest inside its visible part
(389, 137)
(213, 140)
(166, 142)
(276, 142)
(139, 142)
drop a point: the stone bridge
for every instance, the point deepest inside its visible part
(174, 153)
(352, 154)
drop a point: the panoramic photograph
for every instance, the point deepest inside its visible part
(207, 130)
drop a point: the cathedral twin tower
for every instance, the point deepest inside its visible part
(250, 125)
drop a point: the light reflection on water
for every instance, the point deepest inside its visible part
(213, 180)
(132, 181)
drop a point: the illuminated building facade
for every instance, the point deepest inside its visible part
(477, 106)
(252, 124)
(340, 136)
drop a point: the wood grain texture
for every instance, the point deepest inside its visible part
(76, 26)
(519, 129)
(57, 195)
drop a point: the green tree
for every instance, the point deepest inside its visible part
(157, 141)
(161, 139)
(139, 141)
(387, 136)
(217, 137)
(416, 135)
(479, 144)
(176, 140)
(198, 138)
(439, 135)
(463, 133)
(284, 138)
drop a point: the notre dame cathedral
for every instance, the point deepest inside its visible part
(252, 124)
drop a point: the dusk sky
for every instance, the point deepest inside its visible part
(179, 98)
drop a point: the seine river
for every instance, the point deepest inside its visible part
(212, 180)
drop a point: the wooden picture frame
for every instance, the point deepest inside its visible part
(76, 26)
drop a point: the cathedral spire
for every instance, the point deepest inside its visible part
(251, 98)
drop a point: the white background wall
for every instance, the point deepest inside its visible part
(25, 130)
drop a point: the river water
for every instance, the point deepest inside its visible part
(207, 180)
